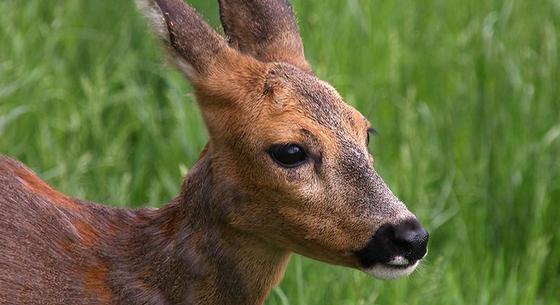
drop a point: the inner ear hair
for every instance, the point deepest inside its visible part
(192, 43)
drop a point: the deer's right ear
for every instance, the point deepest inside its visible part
(195, 47)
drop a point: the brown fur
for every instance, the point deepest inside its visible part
(227, 237)
(96, 283)
(35, 185)
(87, 233)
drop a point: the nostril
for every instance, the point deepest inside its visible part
(406, 240)
(412, 238)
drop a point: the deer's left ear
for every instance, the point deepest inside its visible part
(264, 29)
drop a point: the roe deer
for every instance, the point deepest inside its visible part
(286, 169)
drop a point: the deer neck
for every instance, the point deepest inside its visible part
(186, 253)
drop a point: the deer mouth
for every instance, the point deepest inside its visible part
(394, 250)
(400, 262)
(388, 267)
(387, 271)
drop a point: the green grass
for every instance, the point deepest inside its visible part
(465, 95)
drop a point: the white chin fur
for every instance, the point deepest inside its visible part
(388, 272)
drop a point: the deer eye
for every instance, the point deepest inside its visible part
(288, 155)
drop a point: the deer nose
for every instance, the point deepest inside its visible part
(398, 245)
(412, 238)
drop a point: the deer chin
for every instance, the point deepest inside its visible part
(396, 268)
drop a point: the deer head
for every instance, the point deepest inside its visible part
(286, 148)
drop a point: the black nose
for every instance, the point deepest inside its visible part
(412, 238)
(407, 239)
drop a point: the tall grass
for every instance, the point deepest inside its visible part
(465, 95)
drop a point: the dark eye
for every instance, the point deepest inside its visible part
(288, 155)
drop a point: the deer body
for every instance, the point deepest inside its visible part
(77, 252)
(286, 170)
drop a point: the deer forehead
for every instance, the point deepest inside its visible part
(302, 101)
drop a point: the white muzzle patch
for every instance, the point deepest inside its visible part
(396, 268)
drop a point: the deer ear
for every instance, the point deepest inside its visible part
(222, 77)
(193, 44)
(265, 29)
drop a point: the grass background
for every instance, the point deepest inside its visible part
(465, 95)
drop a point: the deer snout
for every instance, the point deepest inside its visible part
(395, 249)
(411, 238)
